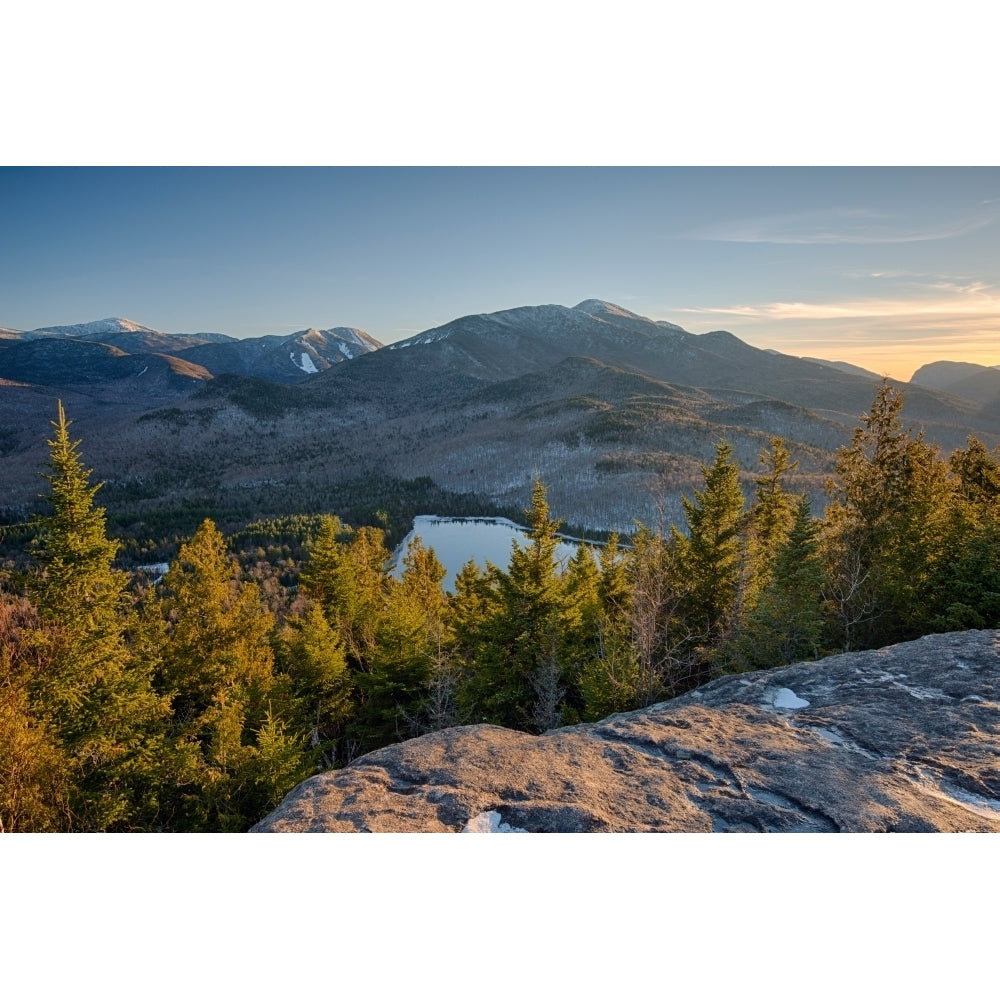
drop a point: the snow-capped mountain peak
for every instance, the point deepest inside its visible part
(97, 328)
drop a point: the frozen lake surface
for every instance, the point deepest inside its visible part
(456, 540)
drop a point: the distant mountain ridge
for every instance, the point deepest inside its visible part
(963, 378)
(284, 358)
(599, 401)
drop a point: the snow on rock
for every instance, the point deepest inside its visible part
(490, 822)
(787, 698)
(98, 327)
(307, 364)
(719, 759)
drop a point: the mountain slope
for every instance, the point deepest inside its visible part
(614, 411)
(282, 358)
(962, 378)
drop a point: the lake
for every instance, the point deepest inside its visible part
(456, 540)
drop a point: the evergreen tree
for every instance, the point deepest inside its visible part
(35, 774)
(350, 581)
(472, 605)
(313, 657)
(966, 582)
(519, 671)
(771, 517)
(787, 622)
(884, 531)
(218, 665)
(93, 695)
(586, 640)
(711, 553)
(320, 574)
(609, 676)
(411, 639)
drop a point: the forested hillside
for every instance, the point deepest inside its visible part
(197, 701)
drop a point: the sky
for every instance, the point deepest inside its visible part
(887, 268)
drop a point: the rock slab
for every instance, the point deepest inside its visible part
(903, 739)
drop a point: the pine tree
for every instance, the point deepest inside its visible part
(966, 582)
(409, 649)
(519, 672)
(34, 772)
(320, 574)
(609, 676)
(884, 529)
(787, 622)
(711, 554)
(218, 666)
(586, 639)
(471, 606)
(94, 695)
(771, 517)
(313, 657)
(350, 581)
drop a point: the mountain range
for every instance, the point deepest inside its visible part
(616, 412)
(289, 358)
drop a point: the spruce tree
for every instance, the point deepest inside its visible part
(35, 774)
(588, 640)
(350, 581)
(520, 669)
(218, 666)
(409, 651)
(885, 528)
(966, 583)
(711, 553)
(787, 622)
(320, 573)
(770, 518)
(94, 695)
(313, 658)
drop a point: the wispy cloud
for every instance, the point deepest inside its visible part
(975, 299)
(951, 320)
(835, 226)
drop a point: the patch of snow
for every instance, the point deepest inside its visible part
(490, 822)
(787, 698)
(307, 365)
(345, 350)
(98, 327)
(143, 372)
(427, 337)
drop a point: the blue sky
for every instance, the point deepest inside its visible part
(883, 267)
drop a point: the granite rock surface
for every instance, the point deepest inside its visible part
(905, 738)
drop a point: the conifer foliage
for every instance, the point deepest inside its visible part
(228, 706)
(196, 705)
(91, 694)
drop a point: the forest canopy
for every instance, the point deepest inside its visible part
(195, 701)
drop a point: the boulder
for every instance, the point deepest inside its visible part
(905, 738)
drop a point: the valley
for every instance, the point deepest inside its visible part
(615, 412)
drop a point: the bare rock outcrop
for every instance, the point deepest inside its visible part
(905, 738)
